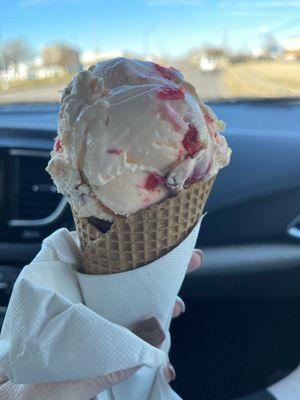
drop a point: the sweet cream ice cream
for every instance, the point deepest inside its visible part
(131, 133)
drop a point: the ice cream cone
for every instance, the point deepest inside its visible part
(144, 236)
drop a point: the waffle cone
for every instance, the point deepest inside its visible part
(144, 236)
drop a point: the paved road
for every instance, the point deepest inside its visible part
(40, 94)
(208, 85)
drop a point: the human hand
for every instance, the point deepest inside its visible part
(148, 330)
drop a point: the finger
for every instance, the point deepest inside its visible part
(169, 372)
(196, 260)
(179, 307)
(67, 390)
(150, 331)
(114, 378)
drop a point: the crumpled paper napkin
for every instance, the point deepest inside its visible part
(65, 325)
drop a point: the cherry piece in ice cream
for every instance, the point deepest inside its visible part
(153, 180)
(191, 141)
(164, 72)
(169, 93)
(58, 146)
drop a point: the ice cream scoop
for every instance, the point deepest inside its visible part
(131, 133)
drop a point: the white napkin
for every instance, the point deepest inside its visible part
(50, 335)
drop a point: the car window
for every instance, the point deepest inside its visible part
(228, 49)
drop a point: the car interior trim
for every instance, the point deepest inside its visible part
(42, 221)
(29, 153)
(293, 228)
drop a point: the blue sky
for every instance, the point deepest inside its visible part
(165, 26)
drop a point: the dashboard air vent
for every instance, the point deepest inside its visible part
(35, 198)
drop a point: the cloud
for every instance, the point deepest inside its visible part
(174, 2)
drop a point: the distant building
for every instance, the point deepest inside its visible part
(291, 47)
(15, 72)
(62, 56)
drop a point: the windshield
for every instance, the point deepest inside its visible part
(228, 49)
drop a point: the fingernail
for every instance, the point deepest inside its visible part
(181, 303)
(200, 254)
(169, 372)
(176, 310)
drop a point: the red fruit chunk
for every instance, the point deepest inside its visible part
(115, 151)
(153, 180)
(191, 141)
(164, 72)
(57, 145)
(169, 93)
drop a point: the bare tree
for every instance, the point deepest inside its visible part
(16, 51)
